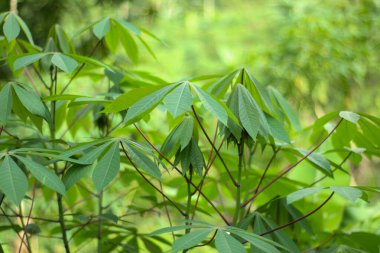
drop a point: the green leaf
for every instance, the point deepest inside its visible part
(107, 167)
(101, 28)
(25, 29)
(179, 100)
(179, 137)
(91, 61)
(350, 116)
(196, 158)
(44, 175)
(74, 174)
(146, 104)
(142, 161)
(290, 114)
(151, 246)
(212, 105)
(297, 195)
(248, 114)
(349, 193)
(64, 41)
(65, 63)
(6, 103)
(173, 229)
(31, 101)
(318, 160)
(129, 44)
(227, 244)
(11, 27)
(258, 241)
(90, 156)
(191, 239)
(13, 182)
(27, 60)
(277, 129)
(129, 26)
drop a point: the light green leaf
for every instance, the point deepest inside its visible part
(277, 129)
(101, 28)
(91, 61)
(212, 105)
(107, 167)
(6, 103)
(44, 175)
(90, 156)
(27, 59)
(227, 244)
(31, 101)
(191, 239)
(349, 193)
(297, 195)
(146, 104)
(349, 116)
(61, 97)
(129, 44)
(25, 29)
(74, 174)
(129, 26)
(65, 63)
(248, 114)
(13, 182)
(142, 161)
(179, 100)
(11, 27)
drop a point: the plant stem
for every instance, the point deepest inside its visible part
(238, 188)
(100, 213)
(289, 168)
(188, 206)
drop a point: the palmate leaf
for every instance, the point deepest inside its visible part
(227, 244)
(212, 105)
(107, 167)
(13, 182)
(128, 43)
(191, 239)
(196, 158)
(25, 29)
(147, 103)
(11, 27)
(43, 175)
(142, 161)
(300, 194)
(317, 160)
(179, 100)
(349, 193)
(349, 116)
(74, 174)
(28, 59)
(277, 129)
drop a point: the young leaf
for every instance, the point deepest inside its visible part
(349, 116)
(248, 114)
(101, 28)
(11, 27)
(6, 106)
(44, 175)
(212, 105)
(297, 195)
(27, 60)
(146, 104)
(196, 158)
(65, 63)
(107, 168)
(74, 174)
(13, 182)
(179, 100)
(191, 239)
(31, 101)
(349, 193)
(227, 244)
(142, 161)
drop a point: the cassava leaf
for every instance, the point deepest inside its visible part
(64, 62)
(191, 239)
(227, 244)
(179, 100)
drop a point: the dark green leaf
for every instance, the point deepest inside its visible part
(107, 167)
(196, 158)
(74, 174)
(13, 182)
(44, 175)
(227, 244)
(6, 103)
(248, 114)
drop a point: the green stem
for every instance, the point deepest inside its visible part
(238, 189)
(100, 213)
(189, 194)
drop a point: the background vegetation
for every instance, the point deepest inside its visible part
(321, 55)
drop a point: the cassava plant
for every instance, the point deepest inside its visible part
(97, 156)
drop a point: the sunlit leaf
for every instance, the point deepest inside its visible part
(179, 100)
(64, 62)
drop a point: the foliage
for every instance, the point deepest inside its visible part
(204, 153)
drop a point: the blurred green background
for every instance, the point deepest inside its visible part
(323, 55)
